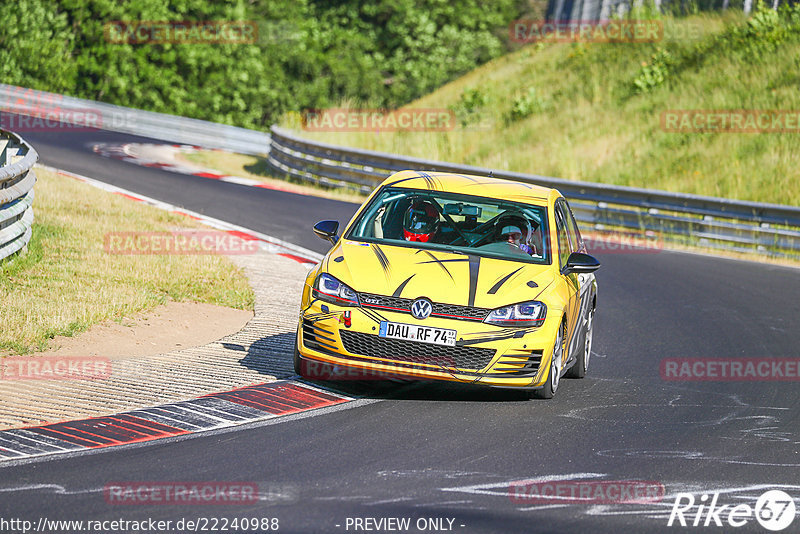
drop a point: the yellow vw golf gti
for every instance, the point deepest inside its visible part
(452, 277)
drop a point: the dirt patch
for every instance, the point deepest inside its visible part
(173, 326)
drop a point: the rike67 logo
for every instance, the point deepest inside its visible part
(774, 510)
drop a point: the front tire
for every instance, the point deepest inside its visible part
(554, 374)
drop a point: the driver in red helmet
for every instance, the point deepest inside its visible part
(421, 221)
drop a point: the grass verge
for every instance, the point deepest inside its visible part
(592, 111)
(66, 282)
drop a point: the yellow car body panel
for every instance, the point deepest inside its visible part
(388, 276)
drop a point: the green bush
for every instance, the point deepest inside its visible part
(653, 73)
(469, 107)
(310, 53)
(762, 33)
(526, 105)
(36, 44)
(752, 41)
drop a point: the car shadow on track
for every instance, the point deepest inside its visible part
(425, 391)
(269, 355)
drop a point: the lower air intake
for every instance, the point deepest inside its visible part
(409, 351)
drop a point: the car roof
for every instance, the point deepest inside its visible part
(483, 186)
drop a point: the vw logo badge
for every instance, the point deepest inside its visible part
(421, 308)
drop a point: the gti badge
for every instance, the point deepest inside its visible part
(421, 308)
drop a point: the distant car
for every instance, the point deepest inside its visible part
(452, 277)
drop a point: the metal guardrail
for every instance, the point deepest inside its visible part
(88, 114)
(16, 193)
(751, 227)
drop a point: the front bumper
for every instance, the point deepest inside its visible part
(484, 354)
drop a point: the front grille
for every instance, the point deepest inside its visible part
(461, 312)
(410, 351)
(403, 305)
(381, 301)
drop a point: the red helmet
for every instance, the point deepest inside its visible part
(420, 221)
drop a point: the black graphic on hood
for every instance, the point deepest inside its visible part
(474, 267)
(402, 286)
(384, 261)
(502, 281)
(441, 263)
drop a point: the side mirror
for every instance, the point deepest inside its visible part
(578, 262)
(327, 230)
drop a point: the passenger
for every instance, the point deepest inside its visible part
(513, 236)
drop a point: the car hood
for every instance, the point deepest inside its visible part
(440, 276)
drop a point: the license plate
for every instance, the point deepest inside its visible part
(423, 334)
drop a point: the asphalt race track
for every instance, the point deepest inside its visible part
(446, 452)
(274, 213)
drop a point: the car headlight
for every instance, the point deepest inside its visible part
(530, 313)
(330, 289)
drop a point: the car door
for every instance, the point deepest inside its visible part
(566, 245)
(585, 281)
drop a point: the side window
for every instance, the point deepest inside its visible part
(572, 226)
(563, 239)
(565, 217)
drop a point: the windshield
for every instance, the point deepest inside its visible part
(456, 223)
